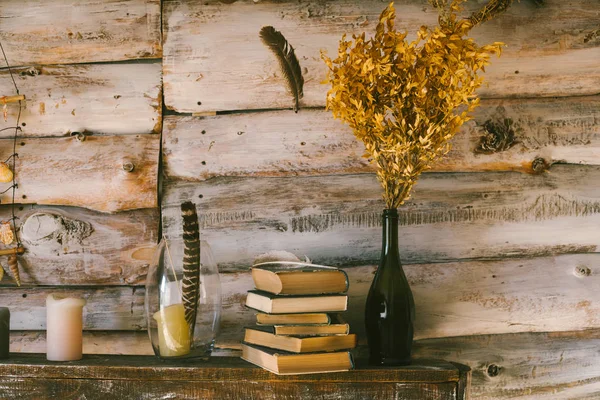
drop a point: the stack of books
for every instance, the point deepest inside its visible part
(299, 330)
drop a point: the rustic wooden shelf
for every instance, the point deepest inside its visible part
(31, 376)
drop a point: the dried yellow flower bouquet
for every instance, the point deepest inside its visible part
(406, 100)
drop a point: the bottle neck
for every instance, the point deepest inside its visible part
(390, 233)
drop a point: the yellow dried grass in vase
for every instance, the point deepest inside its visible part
(404, 100)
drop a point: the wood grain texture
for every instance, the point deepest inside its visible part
(528, 366)
(75, 246)
(225, 368)
(118, 389)
(107, 308)
(452, 299)
(551, 51)
(58, 32)
(504, 135)
(467, 298)
(337, 219)
(93, 173)
(98, 99)
(94, 342)
(102, 377)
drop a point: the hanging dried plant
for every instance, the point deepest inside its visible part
(406, 100)
(191, 263)
(288, 62)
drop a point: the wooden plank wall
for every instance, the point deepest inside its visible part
(88, 165)
(500, 241)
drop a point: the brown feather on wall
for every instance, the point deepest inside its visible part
(290, 67)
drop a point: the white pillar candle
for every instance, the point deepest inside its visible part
(64, 325)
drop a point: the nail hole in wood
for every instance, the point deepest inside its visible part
(128, 166)
(24, 295)
(23, 124)
(203, 131)
(80, 136)
(302, 143)
(203, 162)
(493, 370)
(199, 103)
(22, 143)
(200, 196)
(24, 196)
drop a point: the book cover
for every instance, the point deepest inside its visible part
(298, 278)
(274, 304)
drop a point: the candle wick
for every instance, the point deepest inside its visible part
(172, 266)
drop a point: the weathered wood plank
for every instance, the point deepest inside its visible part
(58, 32)
(336, 219)
(467, 298)
(558, 365)
(74, 246)
(453, 299)
(107, 308)
(504, 135)
(119, 389)
(99, 342)
(523, 365)
(551, 50)
(94, 342)
(104, 173)
(116, 377)
(99, 99)
(220, 368)
(527, 366)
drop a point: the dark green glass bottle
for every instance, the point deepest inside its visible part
(390, 308)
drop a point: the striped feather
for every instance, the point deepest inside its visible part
(190, 285)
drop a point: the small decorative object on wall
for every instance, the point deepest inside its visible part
(290, 67)
(404, 101)
(8, 174)
(64, 327)
(183, 294)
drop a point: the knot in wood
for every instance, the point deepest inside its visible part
(582, 271)
(493, 370)
(128, 166)
(498, 136)
(539, 165)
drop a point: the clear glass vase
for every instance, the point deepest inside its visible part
(171, 333)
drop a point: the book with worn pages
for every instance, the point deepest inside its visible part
(284, 363)
(337, 326)
(298, 278)
(273, 304)
(265, 336)
(293, 319)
